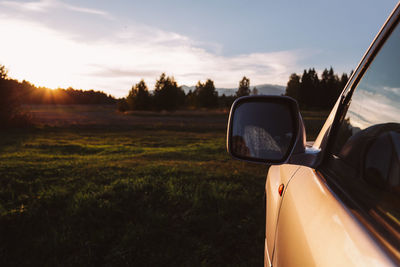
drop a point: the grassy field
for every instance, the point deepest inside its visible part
(89, 186)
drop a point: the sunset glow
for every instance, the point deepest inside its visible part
(56, 44)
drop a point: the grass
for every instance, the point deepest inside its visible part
(155, 191)
(313, 121)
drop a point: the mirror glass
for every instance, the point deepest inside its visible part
(262, 130)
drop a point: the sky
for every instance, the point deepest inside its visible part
(111, 45)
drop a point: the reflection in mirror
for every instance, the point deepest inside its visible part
(262, 130)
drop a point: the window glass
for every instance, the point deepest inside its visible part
(366, 152)
(376, 99)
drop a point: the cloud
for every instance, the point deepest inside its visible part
(85, 10)
(106, 72)
(39, 6)
(365, 105)
(46, 5)
(121, 53)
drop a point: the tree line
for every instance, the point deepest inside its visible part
(312, 92)
(167, 95)
(26, 93)
(308, 89)
(13, 94)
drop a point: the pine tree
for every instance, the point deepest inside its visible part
(167, 94)
(244, 87)
(293, 87)
(206, 95)
(139, 97)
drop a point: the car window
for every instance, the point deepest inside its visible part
(366, 151)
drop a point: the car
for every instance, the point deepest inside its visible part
(334, 201)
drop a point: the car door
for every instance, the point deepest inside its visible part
(346, 212)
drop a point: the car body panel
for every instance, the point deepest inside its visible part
(276, 177)
(315, 228)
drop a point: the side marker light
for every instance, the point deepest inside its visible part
(280, 190)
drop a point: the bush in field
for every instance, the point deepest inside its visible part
(226, 101)
(167, 94)
(190, 99)
(139, 97)
(122, 105)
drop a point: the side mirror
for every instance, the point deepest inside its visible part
(267, 129)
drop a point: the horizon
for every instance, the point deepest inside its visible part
(183, 86)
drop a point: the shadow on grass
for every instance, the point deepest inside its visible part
(158, 216)
(10, 139)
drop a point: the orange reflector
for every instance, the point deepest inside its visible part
(280, 190)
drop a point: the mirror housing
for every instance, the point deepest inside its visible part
(269, 130)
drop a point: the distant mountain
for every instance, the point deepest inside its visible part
(263, 89)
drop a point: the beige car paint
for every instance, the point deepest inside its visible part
(315, 229)
(276, 177)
